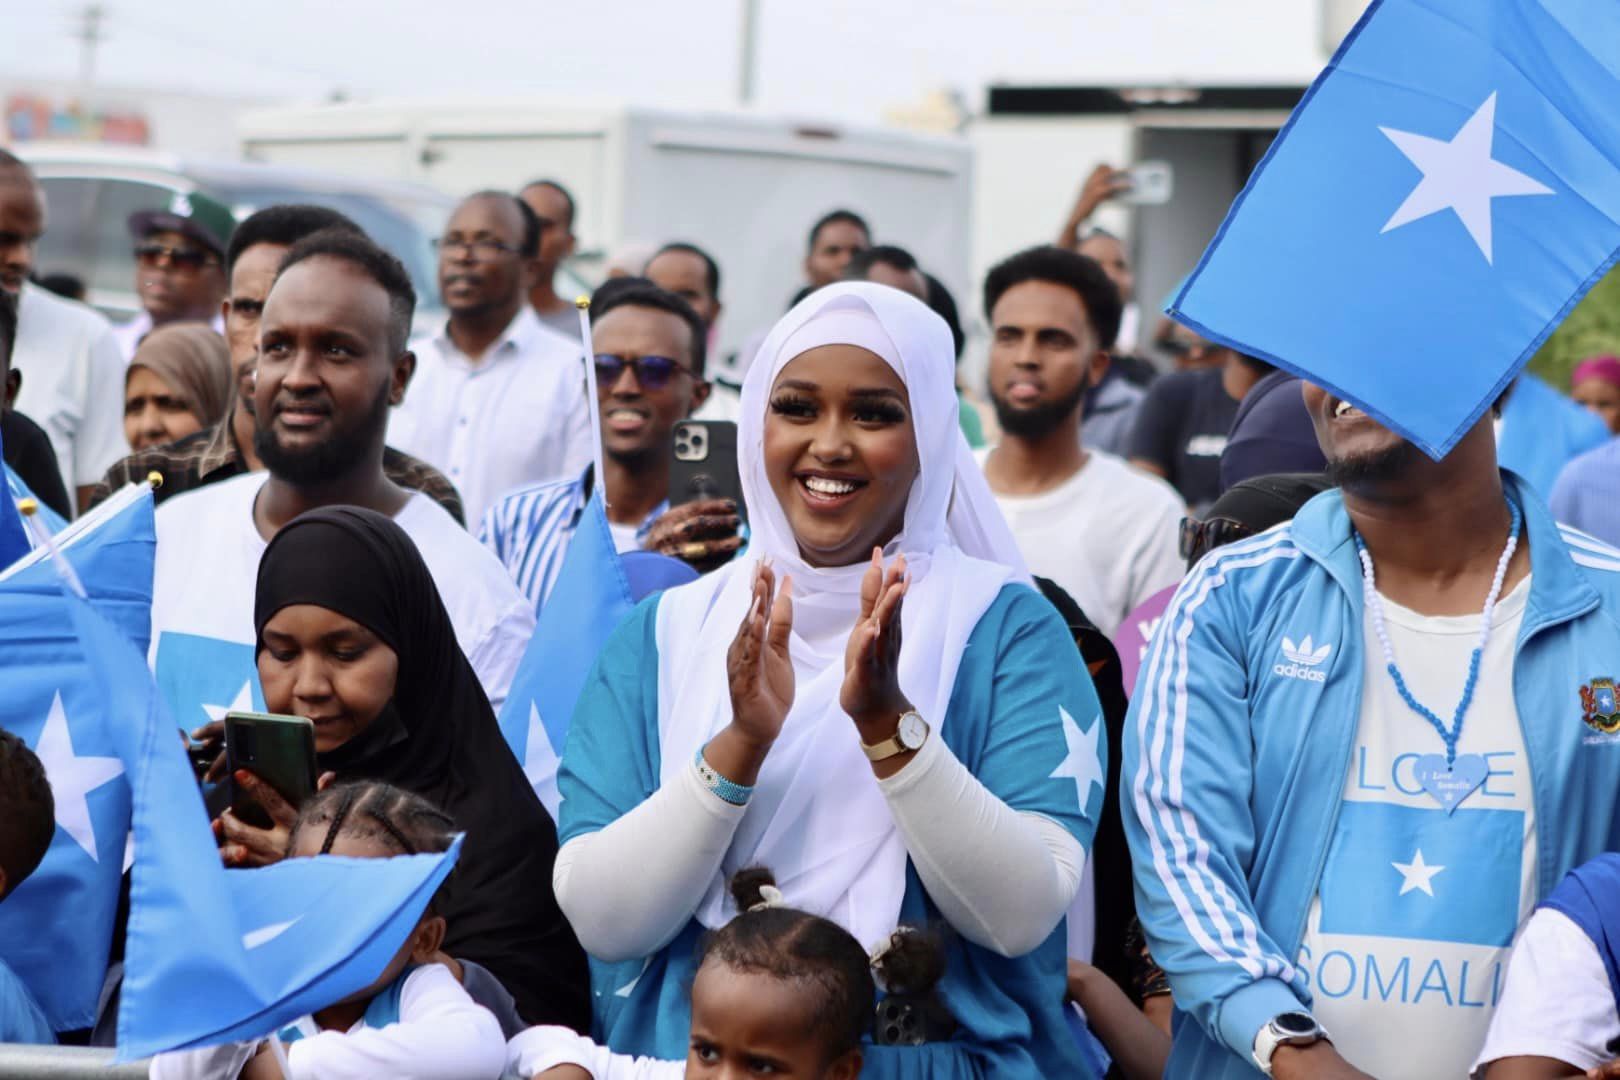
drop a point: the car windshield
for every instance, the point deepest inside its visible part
(403, 226)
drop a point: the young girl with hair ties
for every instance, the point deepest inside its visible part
(415, 1022)
(778, 992)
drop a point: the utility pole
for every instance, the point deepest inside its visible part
(90, 35)
(747, 45)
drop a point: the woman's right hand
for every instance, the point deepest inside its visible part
(758, 668)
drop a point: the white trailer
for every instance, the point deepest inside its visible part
(744, 187)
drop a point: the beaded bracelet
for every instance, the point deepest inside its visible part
(733, 793)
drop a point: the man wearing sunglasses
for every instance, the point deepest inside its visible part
(649, 352)
(179, 266)
(499, 398)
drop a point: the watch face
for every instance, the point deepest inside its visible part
(1293, 1023)
(913, 730)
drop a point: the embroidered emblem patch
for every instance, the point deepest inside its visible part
(1600, 706)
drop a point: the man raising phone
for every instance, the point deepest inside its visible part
(650, 351)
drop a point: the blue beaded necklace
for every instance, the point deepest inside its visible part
(1448, 780)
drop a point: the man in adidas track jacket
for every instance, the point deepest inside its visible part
(1330, 862)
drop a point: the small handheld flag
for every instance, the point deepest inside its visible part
(1446, 191)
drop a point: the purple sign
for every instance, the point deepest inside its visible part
(1136, 633)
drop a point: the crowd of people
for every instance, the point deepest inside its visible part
(1144, 710)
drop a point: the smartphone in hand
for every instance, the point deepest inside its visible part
(280, 750)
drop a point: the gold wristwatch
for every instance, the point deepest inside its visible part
(910, 735)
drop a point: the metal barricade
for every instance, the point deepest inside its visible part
(22, 1062)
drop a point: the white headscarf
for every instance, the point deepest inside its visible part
(817, 818)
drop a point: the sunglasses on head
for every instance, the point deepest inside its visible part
(1199, 538)
(652, 372)
(179, 258)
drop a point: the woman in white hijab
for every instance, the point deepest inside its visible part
(768, 714)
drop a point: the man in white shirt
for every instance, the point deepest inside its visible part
(553, 207)
(1104, 531)
(72, 370)
(332, 360)
(499, 398)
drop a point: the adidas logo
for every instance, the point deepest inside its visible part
(1302, 660)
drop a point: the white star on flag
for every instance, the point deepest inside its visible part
(243, 702)
(1417, 874)
(1083, 764)
(1460, 176)
(540, 763)
(73, 777)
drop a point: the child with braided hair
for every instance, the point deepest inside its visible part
(778, 991)
(415, 1021)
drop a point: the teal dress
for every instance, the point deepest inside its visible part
(1025, 720)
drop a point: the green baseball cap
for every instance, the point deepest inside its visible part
(195, 215)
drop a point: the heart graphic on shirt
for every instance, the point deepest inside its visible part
(1449, 785)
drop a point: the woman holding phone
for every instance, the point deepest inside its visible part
(873, 701)
(352, 635)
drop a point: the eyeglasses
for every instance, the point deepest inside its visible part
(17, 239)
(1199, 538)
(157, 255)
(652, 372)
(482, 248)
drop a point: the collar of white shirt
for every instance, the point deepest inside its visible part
(525, 335)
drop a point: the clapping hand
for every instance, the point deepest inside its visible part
(758, 668)
(871, 693)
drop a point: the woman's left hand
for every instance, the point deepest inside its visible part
(247, 845)
(871, 693)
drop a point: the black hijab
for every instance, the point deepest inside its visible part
(438, 737)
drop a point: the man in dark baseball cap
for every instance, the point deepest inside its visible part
(179, 264)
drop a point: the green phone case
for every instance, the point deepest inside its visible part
(280, 750)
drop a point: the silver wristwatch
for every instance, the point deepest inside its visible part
(1286, 1029)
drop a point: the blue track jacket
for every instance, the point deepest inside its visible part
(1234, 771)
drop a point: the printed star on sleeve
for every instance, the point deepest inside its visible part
(1083, 764)
(73, 776)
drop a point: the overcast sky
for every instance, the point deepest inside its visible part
(846, 59)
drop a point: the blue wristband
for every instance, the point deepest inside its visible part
(735, 794)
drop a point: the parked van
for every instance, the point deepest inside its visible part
(745, 187)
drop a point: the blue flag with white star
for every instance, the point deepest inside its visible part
(1421, 874)
(1446, 191)
(596, 588)
(13, 540)
(214, 955)
(51, 701)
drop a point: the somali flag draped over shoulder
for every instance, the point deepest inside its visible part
(56, 927)
(1447, 190)
(595, 590)
(212, 955)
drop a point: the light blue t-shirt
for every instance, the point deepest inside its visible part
(1022, 712)
(21, 1020)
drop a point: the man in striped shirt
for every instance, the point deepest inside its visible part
(649, 348)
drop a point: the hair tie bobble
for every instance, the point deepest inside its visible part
(769, 896)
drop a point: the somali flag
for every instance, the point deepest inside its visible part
(214, 955)
(595, 590)
(1446, 191)
(56, 927)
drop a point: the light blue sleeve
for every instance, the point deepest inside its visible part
(610, 762)
(21, 1020)
(1185, 787)
(1565, 500)
(1044, 749)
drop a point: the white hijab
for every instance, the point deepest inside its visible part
(817, 819)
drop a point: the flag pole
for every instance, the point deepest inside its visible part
(582, 304)
(29, 509)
